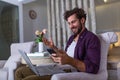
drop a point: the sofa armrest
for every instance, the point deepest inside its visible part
(11, 64)
(4, 72)
(11, 60)
(11, 70)
(2, 63)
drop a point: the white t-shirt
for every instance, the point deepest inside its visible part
(71, 48)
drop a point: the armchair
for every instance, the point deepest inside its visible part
(14, 60)
(3, 70)
(106, 39)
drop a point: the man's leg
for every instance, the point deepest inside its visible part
(23, 72)
(35, 77)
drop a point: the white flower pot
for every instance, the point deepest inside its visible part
(40, 47)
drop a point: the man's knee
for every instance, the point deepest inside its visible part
(23, 72)
(18, 73)
(35, 77)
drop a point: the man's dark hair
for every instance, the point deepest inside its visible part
(78, 11)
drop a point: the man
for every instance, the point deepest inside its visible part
(83, 47)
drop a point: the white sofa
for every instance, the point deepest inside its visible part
(3, 71)
(8, 67)
(106, 39)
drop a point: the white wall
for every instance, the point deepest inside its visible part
(29, 25)
(108, 17)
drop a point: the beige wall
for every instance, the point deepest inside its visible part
(30, 25)
(108, 17)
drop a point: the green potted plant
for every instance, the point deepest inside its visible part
(38, 40)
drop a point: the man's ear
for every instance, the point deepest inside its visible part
(82, 20)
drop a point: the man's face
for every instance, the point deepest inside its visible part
(74, 24)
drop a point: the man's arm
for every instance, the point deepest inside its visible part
(63, 58)
(79, 65)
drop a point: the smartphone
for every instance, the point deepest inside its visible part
(51, 51)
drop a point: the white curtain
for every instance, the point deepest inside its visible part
(57, 26)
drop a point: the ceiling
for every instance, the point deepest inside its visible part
(97, 2)
(101, 2)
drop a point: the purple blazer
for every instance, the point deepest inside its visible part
(87, 50)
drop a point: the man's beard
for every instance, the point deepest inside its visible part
(79, 30)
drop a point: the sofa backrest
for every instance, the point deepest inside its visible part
(15, 56)
(106, 39)
(26, 46)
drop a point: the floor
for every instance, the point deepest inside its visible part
(112, 66)
(113, 60)
(112, 75)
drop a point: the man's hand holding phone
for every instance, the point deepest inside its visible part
(58, 55)
(51, 51)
